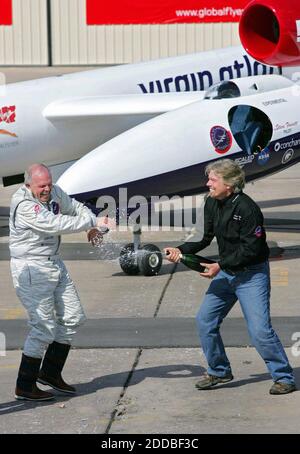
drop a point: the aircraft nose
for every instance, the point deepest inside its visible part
(153, 152)
(68, 181)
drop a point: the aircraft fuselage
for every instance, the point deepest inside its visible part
(27, 135)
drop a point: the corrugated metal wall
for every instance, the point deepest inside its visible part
(25, 41)
(76, 43)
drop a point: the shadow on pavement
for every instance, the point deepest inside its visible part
(108, 381)
(118, 380)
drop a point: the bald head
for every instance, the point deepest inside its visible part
(34, 170)
(39, 180)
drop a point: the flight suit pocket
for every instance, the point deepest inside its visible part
(42, 274)
(20, 274)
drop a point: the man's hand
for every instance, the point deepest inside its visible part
(212, 270)
(107, 222)
(94, 236)
(103, 225)
(172, 254)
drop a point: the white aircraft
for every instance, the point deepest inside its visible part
(254, 121)
(57, 120)
(100, 124)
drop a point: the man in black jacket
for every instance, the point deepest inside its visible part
(242, 273)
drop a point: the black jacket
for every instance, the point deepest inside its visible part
(237, 223)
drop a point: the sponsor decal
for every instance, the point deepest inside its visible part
(9, 144)
(286, 125)
(263, 157)
(279, 146)
(162, 11)
(221, 139)
(274, 101)
(37, 209)
(205, 77)
(8, 115)
(258, 231)
(55, 207)
(245, 160)
(6, 12)
(288, 155)
(7, 133)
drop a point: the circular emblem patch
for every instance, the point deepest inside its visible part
(55, 207)
(221, 139)
(263, 157)
(287, 156)
(37, 209)
(258, 231)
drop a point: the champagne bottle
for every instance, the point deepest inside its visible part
(194, 262)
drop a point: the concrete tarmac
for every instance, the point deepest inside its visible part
(137, 359)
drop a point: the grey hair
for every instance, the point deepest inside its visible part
(230, 171)
(34, 168)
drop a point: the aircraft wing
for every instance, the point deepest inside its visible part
(119, 105)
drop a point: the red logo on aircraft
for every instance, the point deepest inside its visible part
(8, 115)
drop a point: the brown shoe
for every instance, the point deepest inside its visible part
(282, 388)
(208, 381)
(57, 383)
(35, 394)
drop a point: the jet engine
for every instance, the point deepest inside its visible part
(270, 31)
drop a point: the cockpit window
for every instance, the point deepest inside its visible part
(226, 89)
(251, 128)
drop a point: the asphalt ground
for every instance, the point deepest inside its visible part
(136, 360)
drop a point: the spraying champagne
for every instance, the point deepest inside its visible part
(103, 226)
(96, 235)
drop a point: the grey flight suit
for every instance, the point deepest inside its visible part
(40, 277)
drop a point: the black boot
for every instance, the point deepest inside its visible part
(26, 388)
(54, 361)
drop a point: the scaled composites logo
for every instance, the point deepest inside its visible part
(201, 80)
(7, 115)
(245, 160)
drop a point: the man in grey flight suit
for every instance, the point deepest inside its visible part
(40, 213)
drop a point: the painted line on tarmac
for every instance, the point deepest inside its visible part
(164, 332)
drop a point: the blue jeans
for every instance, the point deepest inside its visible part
(252, 289)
